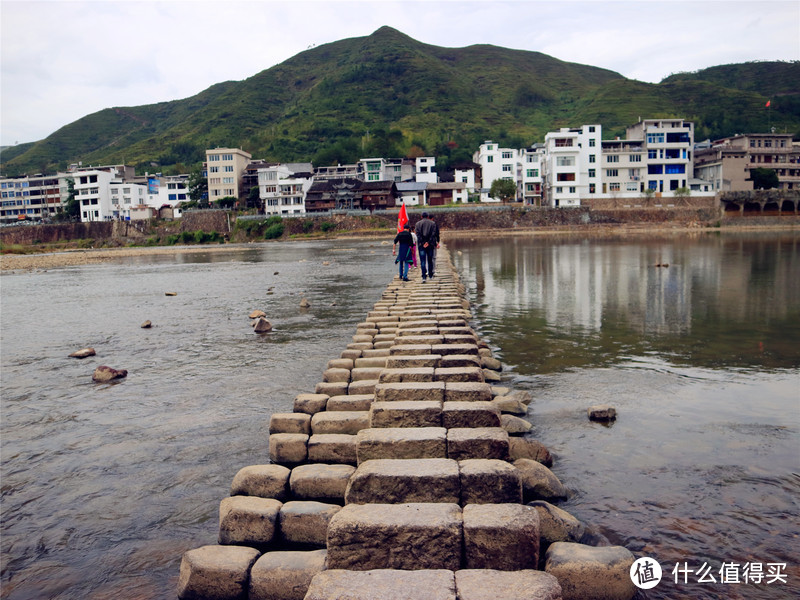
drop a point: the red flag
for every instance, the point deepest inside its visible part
(767, 105)
(402, 218)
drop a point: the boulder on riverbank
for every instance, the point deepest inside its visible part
(602, 412)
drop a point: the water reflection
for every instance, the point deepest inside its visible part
(712, 299)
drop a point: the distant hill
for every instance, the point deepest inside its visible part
(389, 95)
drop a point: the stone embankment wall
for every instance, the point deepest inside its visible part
(405, 474)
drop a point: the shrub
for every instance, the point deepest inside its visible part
(274, 231)
(327, 226)
(308, 225)
(173, 239)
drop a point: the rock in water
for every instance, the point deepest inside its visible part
(170, 293)
(602, 412)
(103, 374)
(146, 325)
(257, 313)
(83, 353)
(262, 325)
(304, 303)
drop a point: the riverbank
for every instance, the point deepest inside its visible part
(42, 259)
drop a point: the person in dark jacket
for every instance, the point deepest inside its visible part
(404, 257)
(427, 242)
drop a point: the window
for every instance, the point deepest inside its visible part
(227, 180)
(213, 157)
(591, 158)
(678, 138)
(490, 159)
(612, 158)
(213, 169)
(573, 189)
(532, 173)
(507, 168)
(612, 172)
(635, 158)
(565, 177)
(228, 168)
(651, 154)
(655, 138)
(592, 188)
(631, 186)
(464, 180)
(591, 128)
(674, 169)
(565, 161)
(655, 169)
(613, 186)
(227, 157)
(563, 142)
(506, 154)
(591, 142)
(592, 173)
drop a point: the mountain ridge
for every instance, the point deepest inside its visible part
(387, 94)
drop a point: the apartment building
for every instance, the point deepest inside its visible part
(726, 163)
(226, 168)
(668, 144)
(496, 163)
(425, 169)
(570, 167)
(283, 188)
(34, 197)
(532, 176)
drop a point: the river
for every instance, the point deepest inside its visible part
(104, 486)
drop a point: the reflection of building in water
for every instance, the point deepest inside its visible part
(576, 285)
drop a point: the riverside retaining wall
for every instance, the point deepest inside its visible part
(405, 474)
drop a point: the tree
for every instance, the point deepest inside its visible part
(504, 189)
(254, 198)
(71, 210)
(764, 179)
(226, 202)
(197, 185)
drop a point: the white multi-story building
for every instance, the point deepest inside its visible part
(497, 163)
(129, 200)
(669, 144)
(532, 177)
(571, 165)
(226, 168)
(93, 192)
(424, 169)
(283, 190)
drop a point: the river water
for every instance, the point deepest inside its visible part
(104, 486)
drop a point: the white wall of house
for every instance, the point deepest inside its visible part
(281, 192)
(571, 165)
(425, 170)
(93, 192)
(497, 163)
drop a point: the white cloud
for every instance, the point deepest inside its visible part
(62, 60)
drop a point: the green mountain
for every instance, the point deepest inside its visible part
(388, 95)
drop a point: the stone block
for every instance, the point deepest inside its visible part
(414, 340)
(394, 392)
(375, 361)
(469, 414)
(305, 522)
(375, 352)
(458, 349)
(350, 353)
(220, 572)
(359, 337)
(488, 481)
(477, 442)
(539, 482)
(455, 338)
(248, 520)
(398, 481)
(401, 442)
(384, 344)
(320, 481)
(331, 388)
(293, 422)
(356, 402)
(332, 448)
(451, 361)
(336, 375)
(412, 361)
(362, 373)
(359, 345)
(264, 481)
(504, 537)
(341, 363)
(288, 448)
(556, 524)
(489, 584)
(489, 362)
(406, 375)
(340, 421)
(510, 405)
(469, 391)
(410, 349)
(590, 571)
(410, 413)
(383, 584)
(285, 575)
(490, 376)
(453, 374)
(359, 388)
(395, 536)
(310, 403)
(417, 331)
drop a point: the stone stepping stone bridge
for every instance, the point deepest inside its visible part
(405, 475)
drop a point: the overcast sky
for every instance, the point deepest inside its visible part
(62, 60)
